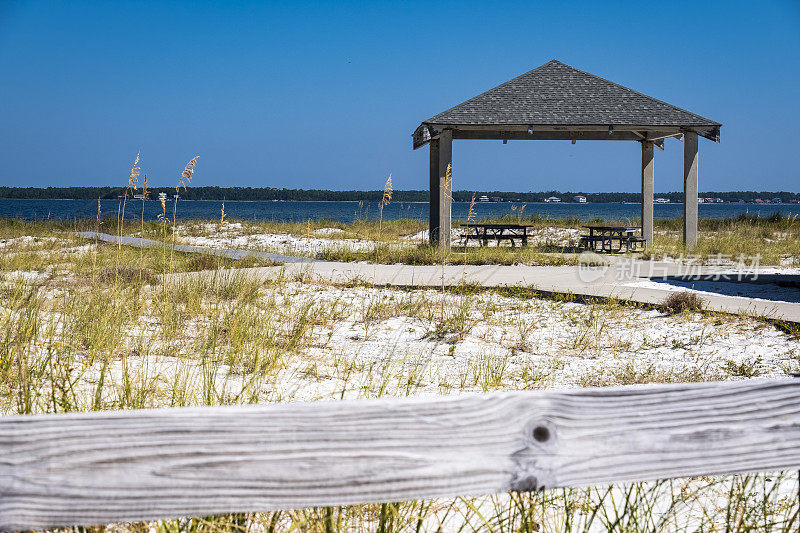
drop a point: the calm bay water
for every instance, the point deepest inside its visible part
(349, 211)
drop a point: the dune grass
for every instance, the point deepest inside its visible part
(57, 254)
(433, 255)
(91, 326)
(89, 336)
(772, 240)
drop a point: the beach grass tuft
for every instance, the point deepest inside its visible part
(678, 302)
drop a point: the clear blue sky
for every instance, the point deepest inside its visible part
(326, 95)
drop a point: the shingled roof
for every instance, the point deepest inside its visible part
(556, 94)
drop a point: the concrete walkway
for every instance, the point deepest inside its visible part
(774, 295)
(603, 282)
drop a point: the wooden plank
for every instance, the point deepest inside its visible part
(95, 468)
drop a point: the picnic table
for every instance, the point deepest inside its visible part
(483, 232)
(611, 239)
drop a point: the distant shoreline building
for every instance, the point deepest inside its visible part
(579, 199)
(552, 200)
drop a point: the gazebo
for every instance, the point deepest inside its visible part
(558, 102)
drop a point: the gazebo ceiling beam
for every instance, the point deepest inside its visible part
(554, 127)
(676, 135)
(558, 132)
(503, 135)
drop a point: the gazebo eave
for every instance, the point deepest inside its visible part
(575, 132)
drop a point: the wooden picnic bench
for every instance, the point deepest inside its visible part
(483, 232)
(611, 239)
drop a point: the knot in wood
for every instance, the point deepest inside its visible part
(525, 483)
(541, 434)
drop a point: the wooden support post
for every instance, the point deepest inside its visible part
(648, 172)
(445, 189)
(690, 183)
(433, 200)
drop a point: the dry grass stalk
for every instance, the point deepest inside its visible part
(471, 213)
(162, 217)
(222, 215)
(387, 191)
(183, 182)
(133, 182)
(186, 176)
(470, 219)
(448, 180)
(385, 200)
(446, 192)
(145, 197)
(96, 231)
(133, 178)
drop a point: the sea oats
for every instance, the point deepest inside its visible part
(471, 212)
(387, 191)
(385, 200)
(186, 176)
(133, 178)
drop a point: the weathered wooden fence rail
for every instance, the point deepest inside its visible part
(113, 466)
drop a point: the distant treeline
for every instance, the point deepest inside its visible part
(268, 193)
